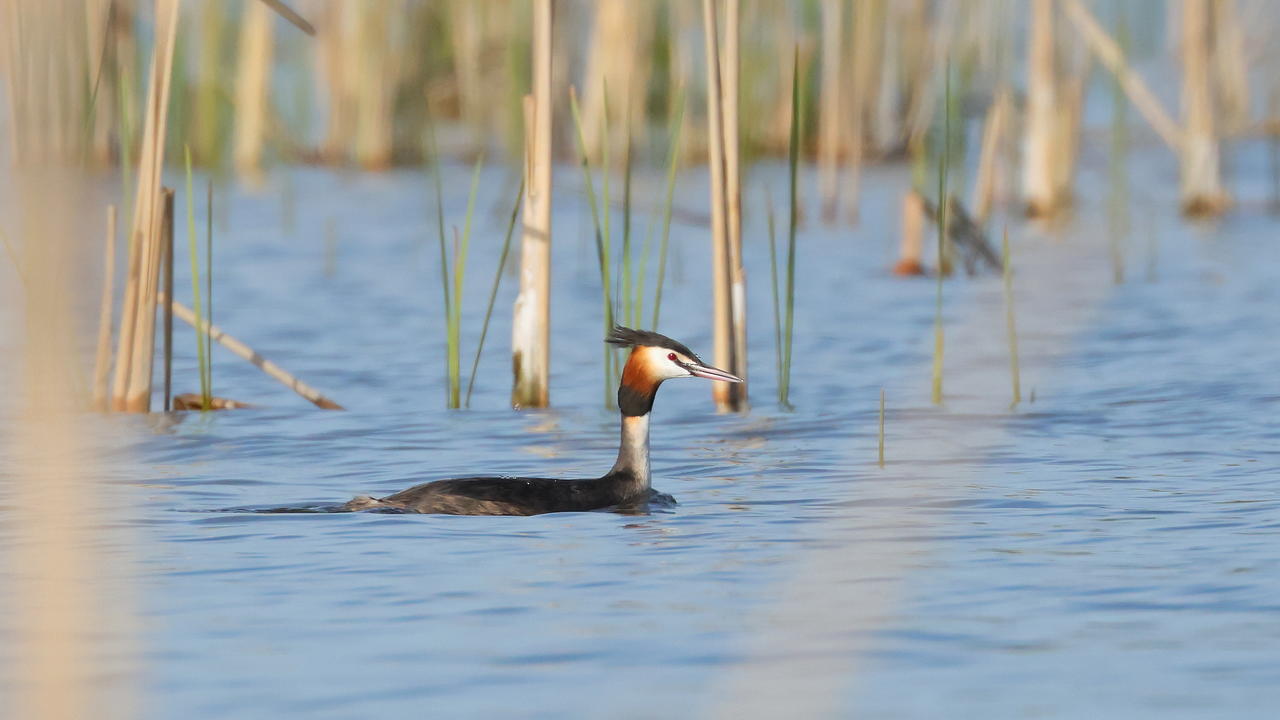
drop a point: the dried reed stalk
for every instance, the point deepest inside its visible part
(912, 234)
(132, 379)
(1109, 53)
(868, 29)
(1039, 188)
(377, 72)
(138, 395)
(241, 350)
(618, 67)
(253, 88)
(61, 618)
(993, 132)
(102, 359)
(729, 64)
(722, 283)
(1202, 192)
(334, 50)
(531, 321)
(291, 15)
(1230, 68)
(829, 113)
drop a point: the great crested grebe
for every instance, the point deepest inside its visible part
(653, 358)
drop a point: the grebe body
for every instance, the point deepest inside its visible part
(654, 358)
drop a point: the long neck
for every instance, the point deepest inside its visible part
(633, 453)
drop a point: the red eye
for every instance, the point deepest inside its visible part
(672, 357)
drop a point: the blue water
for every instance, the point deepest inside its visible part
(1106, 549)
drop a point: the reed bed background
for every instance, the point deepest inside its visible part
(235, 88)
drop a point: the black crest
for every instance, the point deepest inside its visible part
(626, 337)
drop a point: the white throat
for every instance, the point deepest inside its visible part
(633, 453)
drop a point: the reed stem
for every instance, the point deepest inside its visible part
(207, 385)
(673, 161)
(459, 275)
(243, 351)
(102, 360)
(773, 284)
(167, 250)
(602, 254)
(944, 214)
(1015, 375)
(793, 162)
(202, 345)
(493, 292)
(434, 162)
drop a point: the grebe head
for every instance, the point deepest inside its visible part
(655, 358)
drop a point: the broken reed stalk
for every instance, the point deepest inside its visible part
(202, 344)
(602, 253)
(1108, 51)
(676, 123)
(102, 359)
(131, 386)
(454, 326)
(531, 321)
(881, 438)
(166, 247)
(793, 220)
(493, 292)
(238, 348)
(830, 118)
(1015, 375)
(944, 216)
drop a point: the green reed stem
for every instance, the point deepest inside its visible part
(602, 254)
(673, 157)
(793, 162)
(208, 287)
(773, 284)
(606, 172)
(493, 292)
(434, 161)
(1015, 374)
(627, 305)
(637, 306)
(202, 356)
(943, 218)
(459, 275)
